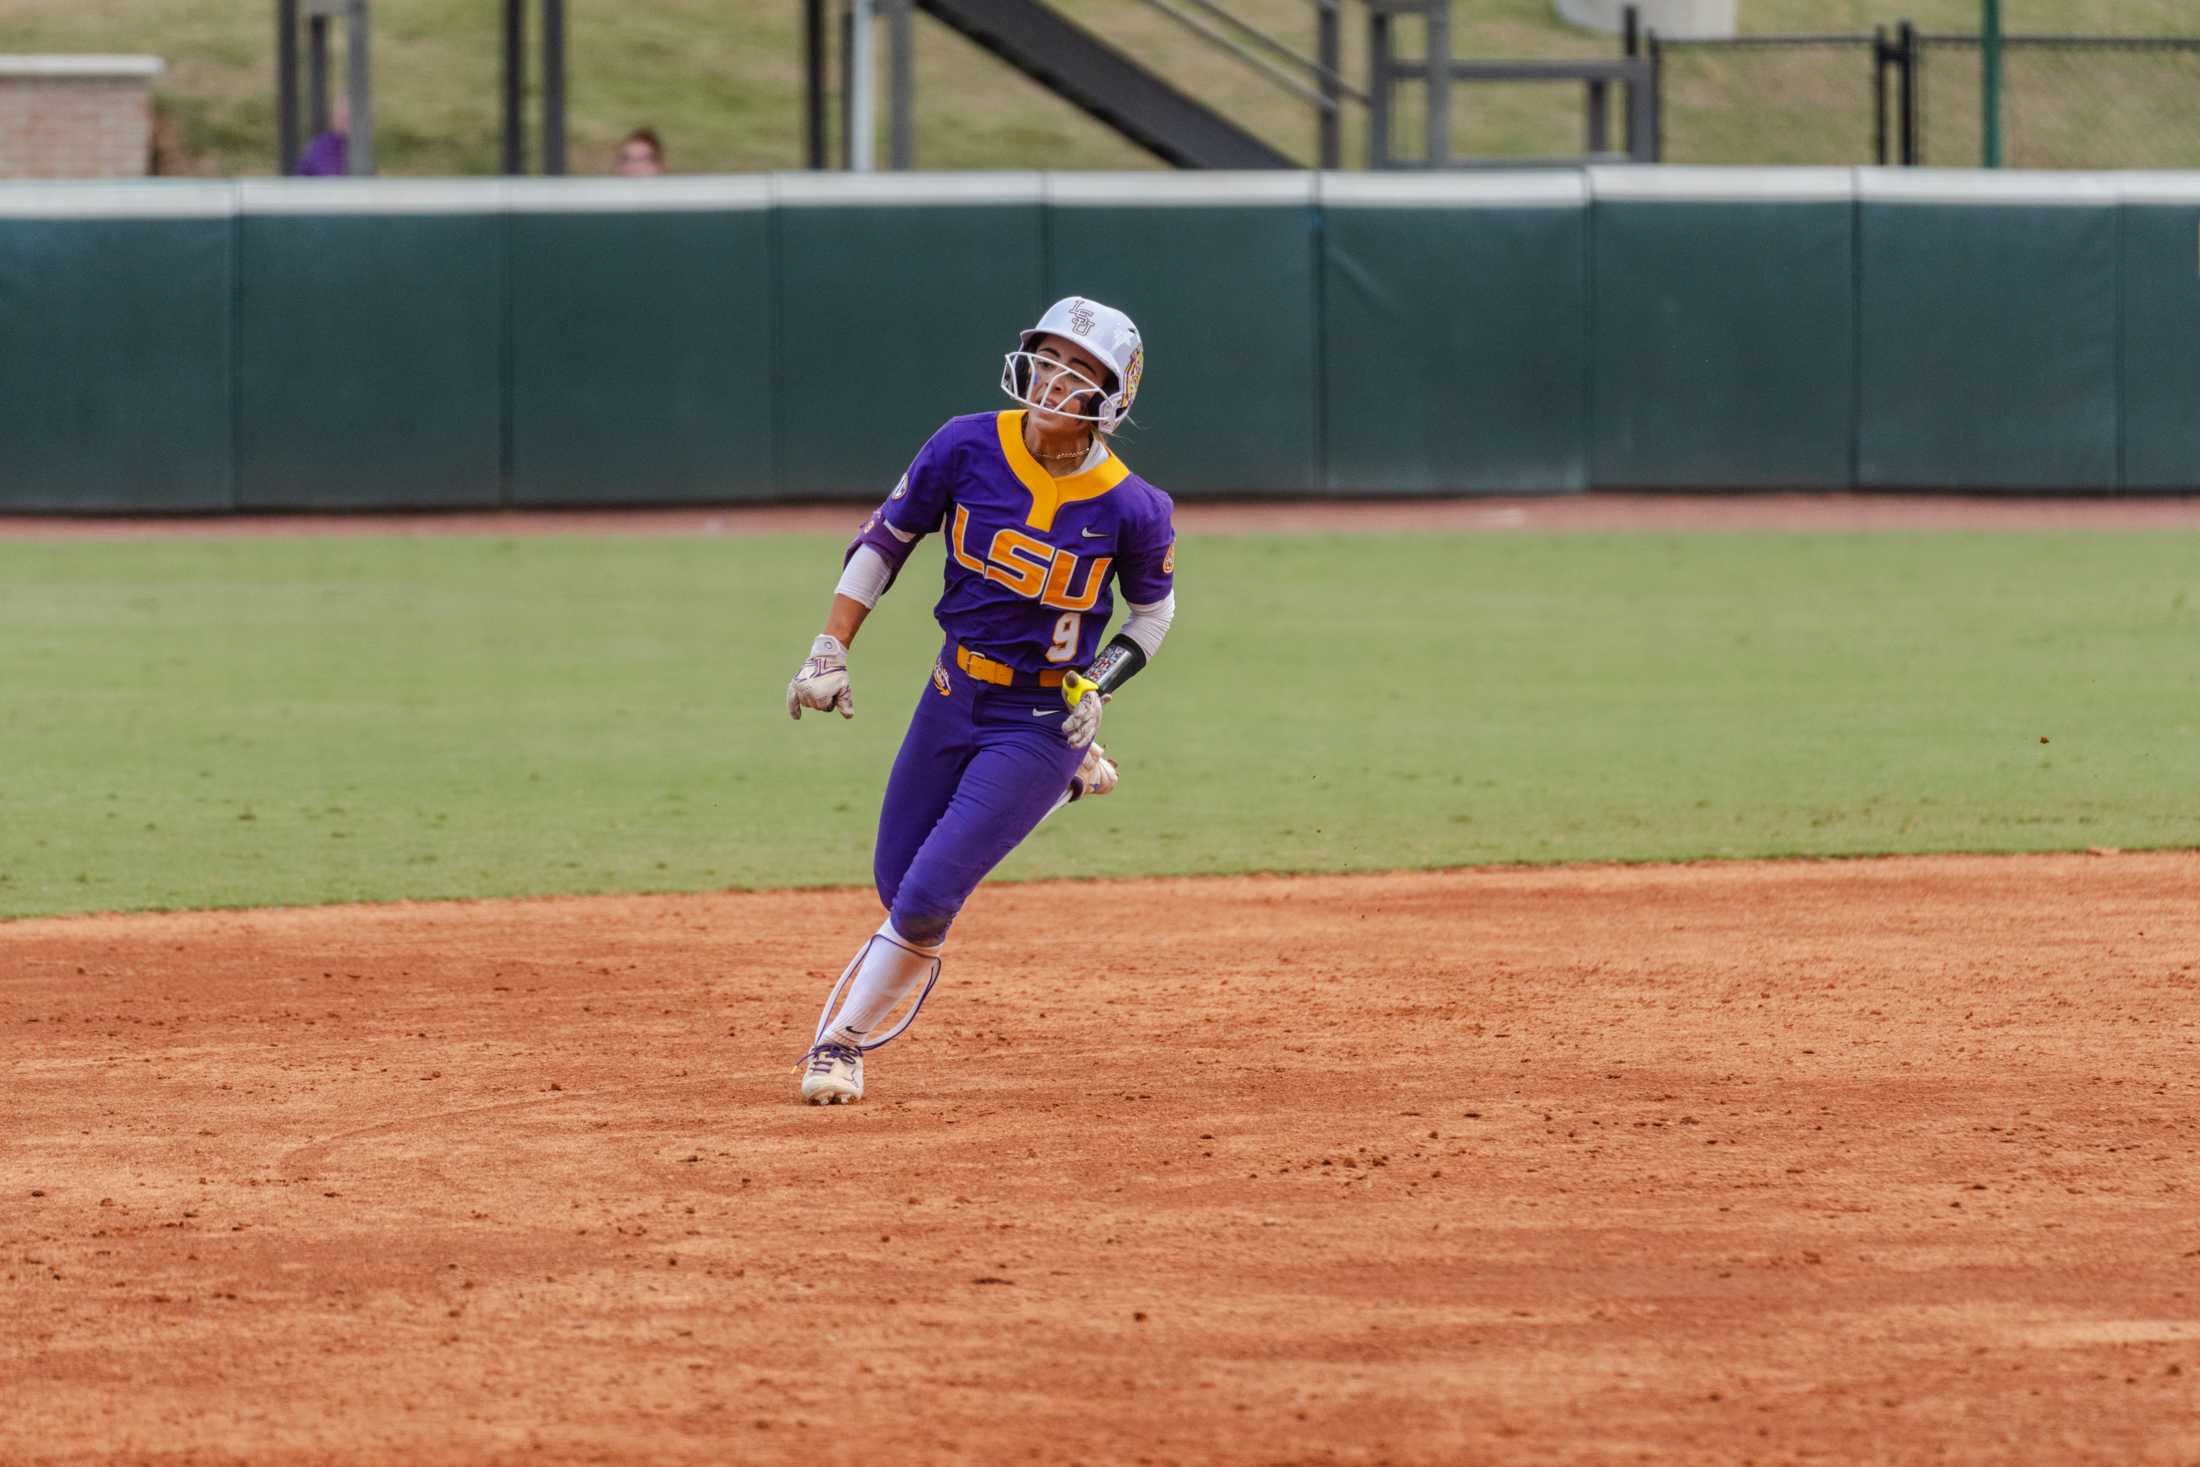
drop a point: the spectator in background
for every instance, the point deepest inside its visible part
(642, 155)
(325, 156)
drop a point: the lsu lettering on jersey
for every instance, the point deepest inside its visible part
(1031, 559)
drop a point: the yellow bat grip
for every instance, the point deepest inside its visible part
(1075, 686)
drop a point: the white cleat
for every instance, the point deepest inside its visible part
(832, 1074)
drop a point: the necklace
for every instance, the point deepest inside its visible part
(1074, 455)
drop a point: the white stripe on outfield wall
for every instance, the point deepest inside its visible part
(1982, 186)
(159, 200)
(857, 190)
(1724, 185)
(182, 199)
(82, 66)
(262, 196)
(2158, 188)
(682, 193)
(1172, 190)
(1524, 189)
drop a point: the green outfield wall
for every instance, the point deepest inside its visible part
(2158, 349)
(370, 351)
(117, 307)
(1725, 345)
(351, 344)
(1987, 332)
(640, 358)
(1455, 329)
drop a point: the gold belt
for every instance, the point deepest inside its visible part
(986, 670)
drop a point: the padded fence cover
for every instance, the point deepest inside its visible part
(317, 344)
(641, 356)
(1725, 336)
(371, 360)
(1989, 337)
(2161, 341)
(114, 364)
(1455, 331)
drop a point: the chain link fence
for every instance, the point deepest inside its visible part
(2067, 101)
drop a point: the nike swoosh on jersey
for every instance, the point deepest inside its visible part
(1042, 713)
(1092, 534)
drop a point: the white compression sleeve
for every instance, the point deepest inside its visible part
(865, 577)
(1147, 625)
(887, 970)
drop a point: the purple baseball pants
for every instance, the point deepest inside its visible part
(980, 767)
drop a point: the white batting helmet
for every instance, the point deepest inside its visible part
(1102, 330)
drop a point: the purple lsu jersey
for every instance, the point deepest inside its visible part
(1030, 558)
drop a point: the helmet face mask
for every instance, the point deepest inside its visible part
(1102, 331)
(1035, 374)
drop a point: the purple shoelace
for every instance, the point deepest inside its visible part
(822, 1057)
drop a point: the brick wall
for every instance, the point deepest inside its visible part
(76, 116)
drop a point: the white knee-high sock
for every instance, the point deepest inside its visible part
(889, 969)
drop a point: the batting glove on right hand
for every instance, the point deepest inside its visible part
(1083, 723)
(823, 681)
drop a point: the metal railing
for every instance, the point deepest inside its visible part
(1395, 77)
(358, 91)
(317, 116)
(1435, 70)
(1326, 92)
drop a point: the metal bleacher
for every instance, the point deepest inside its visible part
(1085, 70)
(1158, 115)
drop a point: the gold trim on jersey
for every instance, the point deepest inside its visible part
(1049, 494)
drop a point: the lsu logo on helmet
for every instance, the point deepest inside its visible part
(1111, 337)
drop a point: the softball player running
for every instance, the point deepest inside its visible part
(1041, 519)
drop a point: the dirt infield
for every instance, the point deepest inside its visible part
(1836, 1162)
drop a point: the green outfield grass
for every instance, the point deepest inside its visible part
(197, 723)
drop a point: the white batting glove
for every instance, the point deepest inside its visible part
(1083, 724)
(823, 681)
(1096, 773)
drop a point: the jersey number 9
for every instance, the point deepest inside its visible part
(1066, 629)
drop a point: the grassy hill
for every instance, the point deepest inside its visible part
(722, 80)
